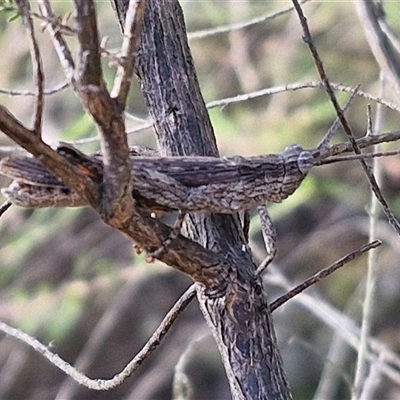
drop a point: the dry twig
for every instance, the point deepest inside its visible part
(346, 127)
(130, 368)
(323, 274)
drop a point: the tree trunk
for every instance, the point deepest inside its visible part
(236, 311)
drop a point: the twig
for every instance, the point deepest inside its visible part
(363, 142)
(130, 368)
(24, 8)
(202, 34)
(132, 29)
(370, 16)
(52, 26)
(4, 207)
(70, 175)
(46, 92)
(323, 274)
(117, 201)
(343, 325)
(372, 270)
(363, 156)
(63, 28)
(346, 127)
(298, 86)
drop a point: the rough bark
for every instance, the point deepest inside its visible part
(165, 184)
(235, 310)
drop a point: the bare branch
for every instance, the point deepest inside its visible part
(88, 69)
(297, 86)
(69, 174)
(56, 89)
(360, 380)
(24, 8)
(108, 114)
(346, 127)
(205, 33)
(4, 207)
(323, 274)
(132, 29)
(371, 15)
(131, 367)
(362, 143)
(363, 156)
(59, 43)
(345, 327)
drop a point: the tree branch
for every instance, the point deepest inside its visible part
(323, 274)
(148, 233)
(130, 368)
(130, 45)
(24, 8)
(183, 127)
(57, 164)
(346, 127)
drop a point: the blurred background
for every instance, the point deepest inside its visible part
(77, 285)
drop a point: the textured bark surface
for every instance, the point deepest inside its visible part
(164, 184)
(236, 313)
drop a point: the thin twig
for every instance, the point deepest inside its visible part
(130, 368)
(363, 142)
(205, 33)
(298, 86)
(130, 43)
(52, 26)
(346, 127)
(372, 270)
(63, 28)
(24, 8)
(352, 157)
(242, 97)
(4, 207)
(71, 175)
(343, 325)
(371, 14)
(46, 92)
(323, 274)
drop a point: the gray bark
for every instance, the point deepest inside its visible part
(236, 310)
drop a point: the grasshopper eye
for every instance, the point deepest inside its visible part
(305, 161)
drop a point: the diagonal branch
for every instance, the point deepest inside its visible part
(117, 201)
(323, 274)
(64, 54)
(130, 368)
(346, 127)
(372, 17)
(57, 164)
(25, 10)
(130, 44)
(88, 68)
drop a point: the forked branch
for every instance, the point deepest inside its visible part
(346, 126)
